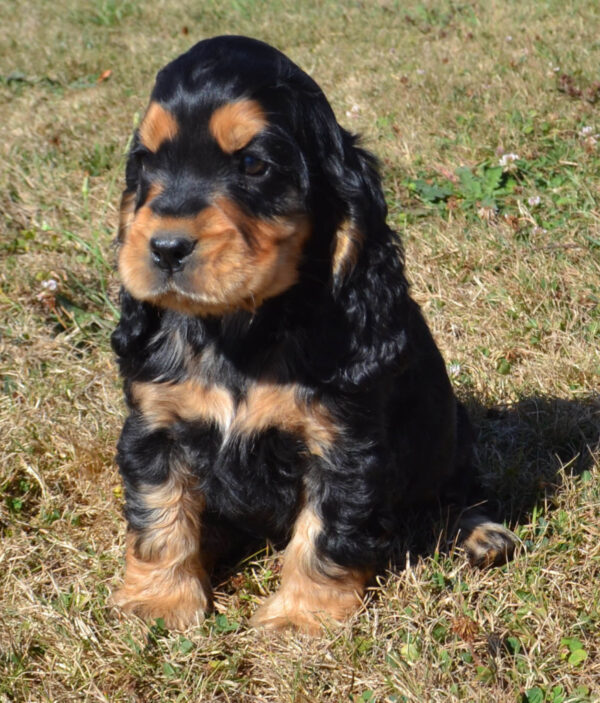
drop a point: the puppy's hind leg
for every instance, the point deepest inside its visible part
(485, 542)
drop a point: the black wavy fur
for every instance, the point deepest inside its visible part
(356, 342)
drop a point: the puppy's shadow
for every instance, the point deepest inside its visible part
(523, 451)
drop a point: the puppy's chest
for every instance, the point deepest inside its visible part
(238, 412)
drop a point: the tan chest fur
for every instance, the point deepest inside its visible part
(265, 405)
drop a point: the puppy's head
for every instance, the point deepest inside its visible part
(237, 175)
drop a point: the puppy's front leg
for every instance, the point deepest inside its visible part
(334, 546)
(314, 591)
(164, 574)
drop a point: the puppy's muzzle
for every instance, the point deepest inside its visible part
(170, 251)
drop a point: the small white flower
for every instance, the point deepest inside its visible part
(507, 160)
(354, 111)
(534, 200)
(420, 72)
(586, 131)
(51, 285)
(454, 370)
(509, 38)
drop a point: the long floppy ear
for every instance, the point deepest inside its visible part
(370, 303)
(353, 172)
(347, 176)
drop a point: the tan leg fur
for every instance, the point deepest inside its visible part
(312, 593)
(164, 574)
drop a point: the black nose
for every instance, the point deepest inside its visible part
(169, 252)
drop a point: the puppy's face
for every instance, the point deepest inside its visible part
(214, 217)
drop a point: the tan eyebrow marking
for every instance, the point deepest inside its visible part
(233, 125)
(158, 126)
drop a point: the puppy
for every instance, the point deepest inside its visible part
(280, 380)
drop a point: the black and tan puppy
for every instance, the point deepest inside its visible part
(281, 382)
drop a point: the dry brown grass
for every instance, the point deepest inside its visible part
(513, 298)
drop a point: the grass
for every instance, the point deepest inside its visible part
(503, 254)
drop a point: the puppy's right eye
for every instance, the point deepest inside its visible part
(253, 166)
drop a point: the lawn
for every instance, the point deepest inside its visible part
(485, 118)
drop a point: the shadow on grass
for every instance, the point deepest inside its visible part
(523, 449)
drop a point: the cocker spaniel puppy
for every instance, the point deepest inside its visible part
(280, 380)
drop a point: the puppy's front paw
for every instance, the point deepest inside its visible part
(307, 610)
(179, 601)
(180, 594)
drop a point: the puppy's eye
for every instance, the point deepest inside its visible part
(253, 166)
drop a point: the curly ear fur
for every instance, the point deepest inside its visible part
(354, 173)
(139, 320)
(369, 288)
